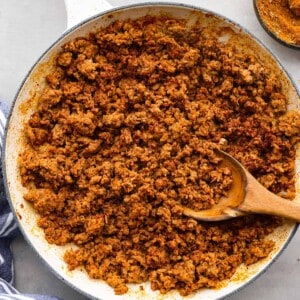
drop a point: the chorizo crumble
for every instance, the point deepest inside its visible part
(124, 134)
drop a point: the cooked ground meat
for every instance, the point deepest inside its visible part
(124, 135)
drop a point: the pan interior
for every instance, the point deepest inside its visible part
(25, 104)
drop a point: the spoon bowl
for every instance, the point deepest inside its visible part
(246, 195)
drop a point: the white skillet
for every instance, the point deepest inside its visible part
(23, 106)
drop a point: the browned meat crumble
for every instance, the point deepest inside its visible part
(125, 132)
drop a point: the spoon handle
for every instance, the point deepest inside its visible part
(259, 200)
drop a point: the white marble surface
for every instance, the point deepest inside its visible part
(27, 28)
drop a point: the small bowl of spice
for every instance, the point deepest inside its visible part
(281, 19)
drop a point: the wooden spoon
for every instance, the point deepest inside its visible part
(246, 195)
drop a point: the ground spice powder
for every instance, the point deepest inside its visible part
(279, 19)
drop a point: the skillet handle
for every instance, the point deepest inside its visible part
(78, 10)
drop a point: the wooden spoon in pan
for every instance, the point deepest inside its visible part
(246, 195)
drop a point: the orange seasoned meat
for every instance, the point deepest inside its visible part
(124, 134)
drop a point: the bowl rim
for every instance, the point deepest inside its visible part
(270, 32)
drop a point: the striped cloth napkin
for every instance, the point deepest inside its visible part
(9, 230)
